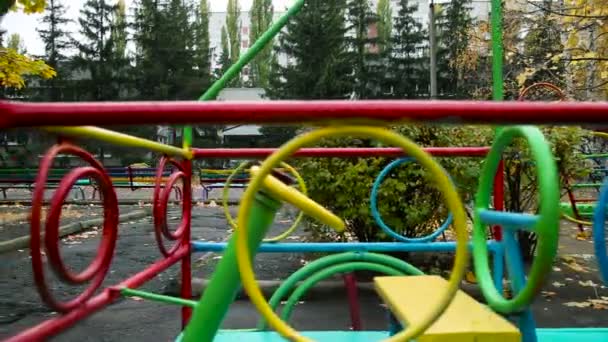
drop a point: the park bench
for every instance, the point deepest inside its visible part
(25, 178)
(135, 178)
(216, 179)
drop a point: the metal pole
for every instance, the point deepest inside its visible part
(497, 51)
(433, 50)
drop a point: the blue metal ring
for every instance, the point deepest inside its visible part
(599, 231)
(378, 218)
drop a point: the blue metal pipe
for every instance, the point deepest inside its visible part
(509, 220)
(335, 247)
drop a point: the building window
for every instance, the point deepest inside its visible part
(245, 44)
(245, 30)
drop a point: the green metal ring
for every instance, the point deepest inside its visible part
(546, 228)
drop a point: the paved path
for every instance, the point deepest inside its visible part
(572, 298)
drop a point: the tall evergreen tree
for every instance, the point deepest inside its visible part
(454, 24)
(178, 57)
(223, 61)
(120, 60)
(363, 48)
(95, 50)
(16, 43)
(314, 44)
(202, 49)
(409, 79)
(233, 29)
(261, 14)
(385, 25)
(149, 73)
(56, 41)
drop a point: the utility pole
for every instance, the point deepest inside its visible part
(433, 50)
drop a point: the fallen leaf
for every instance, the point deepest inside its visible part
(583, 236)
(470, 278)
(137, 299)
(558, 284)
(548, 294)
(588, 283)
(578, 304)
(556, 269)
(598, 301)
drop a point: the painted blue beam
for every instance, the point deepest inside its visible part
(320, 247)
(509, 220)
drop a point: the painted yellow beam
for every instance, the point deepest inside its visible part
(465, 319)
(120, 139)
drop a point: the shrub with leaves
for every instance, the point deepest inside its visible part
(408, 200)
(521, 181)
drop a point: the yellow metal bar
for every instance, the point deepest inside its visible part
(120, 139)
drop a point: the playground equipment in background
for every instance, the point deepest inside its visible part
(17, 178)
(542, 91)
(121, 177)
(259, 207)
(599, 231)
(580, 210)
(181, 250)
(216, 179)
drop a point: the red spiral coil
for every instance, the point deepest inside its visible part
(161, 200)
(95, 273)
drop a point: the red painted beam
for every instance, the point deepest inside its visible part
(344, 152)
(19, 114)
(54, 326)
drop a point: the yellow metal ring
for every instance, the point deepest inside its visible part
(442, 181)
(296, 222)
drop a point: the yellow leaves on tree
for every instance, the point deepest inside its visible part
(14, 66)
(586, 22)
(29, 6)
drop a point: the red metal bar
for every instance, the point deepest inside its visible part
(186, 270)
(56, 325)
(350, 283)
(343, 152)
(499, 197)
(15, 114)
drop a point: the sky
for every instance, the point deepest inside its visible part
(26, 25)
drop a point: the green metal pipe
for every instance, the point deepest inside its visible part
(225, 281)
(497, 51)
(596, 155)
(586, 185)
(127, 292)
(253, 51)
(329, 261)
(328, 272)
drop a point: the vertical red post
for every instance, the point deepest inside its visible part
(499, 197)
(350, 283)
(186, 270)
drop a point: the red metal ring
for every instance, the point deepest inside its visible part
(164, 200)
(101, 264)
(110, 232)
(555, 89)
(161, 199)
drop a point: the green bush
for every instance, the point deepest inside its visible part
(521, 183)
(407, 200)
